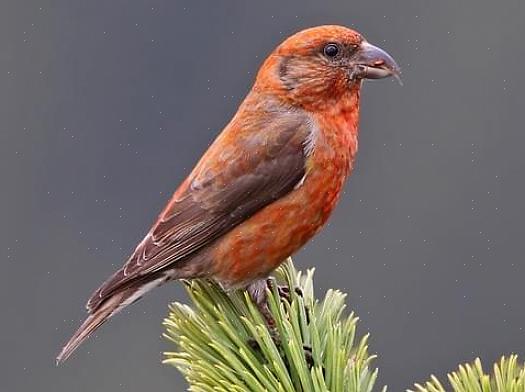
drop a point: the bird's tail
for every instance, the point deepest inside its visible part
(115, 303)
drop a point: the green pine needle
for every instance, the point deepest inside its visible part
(223, 343)
(507, 376)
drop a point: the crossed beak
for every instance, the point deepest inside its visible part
(372, 62)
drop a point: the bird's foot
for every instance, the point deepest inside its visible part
(258, 294)
(257, 291)
(283, 290)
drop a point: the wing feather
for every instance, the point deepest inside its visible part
(244, 170)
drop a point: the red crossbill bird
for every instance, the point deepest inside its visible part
(266, 185)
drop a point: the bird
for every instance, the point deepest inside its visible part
(266, 185)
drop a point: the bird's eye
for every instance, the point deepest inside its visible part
(331, 50)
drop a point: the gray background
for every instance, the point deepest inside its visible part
(106, 106)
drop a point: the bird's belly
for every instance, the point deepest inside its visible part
(257, 246)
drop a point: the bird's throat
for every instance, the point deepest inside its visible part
(338, 127)
(343, 116)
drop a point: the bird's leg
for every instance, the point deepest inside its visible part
(259, 296)
(257, 291)
(283, 290)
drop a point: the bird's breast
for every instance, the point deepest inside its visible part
(258, 245)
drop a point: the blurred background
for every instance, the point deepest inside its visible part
(106, 106)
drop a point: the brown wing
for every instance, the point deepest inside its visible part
(248, 167)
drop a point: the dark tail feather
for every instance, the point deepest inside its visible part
(105, 310)
(93, 321)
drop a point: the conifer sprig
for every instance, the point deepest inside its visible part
(507, 376)
(223, 344)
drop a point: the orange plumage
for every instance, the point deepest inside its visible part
(269, 181)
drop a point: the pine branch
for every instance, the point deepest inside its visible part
(223, 344)
(507, 376)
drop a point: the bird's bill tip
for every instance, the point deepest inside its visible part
(375, 63)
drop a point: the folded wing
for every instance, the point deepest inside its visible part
(254, 162)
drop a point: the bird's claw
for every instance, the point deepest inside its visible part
(283, 290)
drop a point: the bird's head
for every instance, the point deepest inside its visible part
(320, 65)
